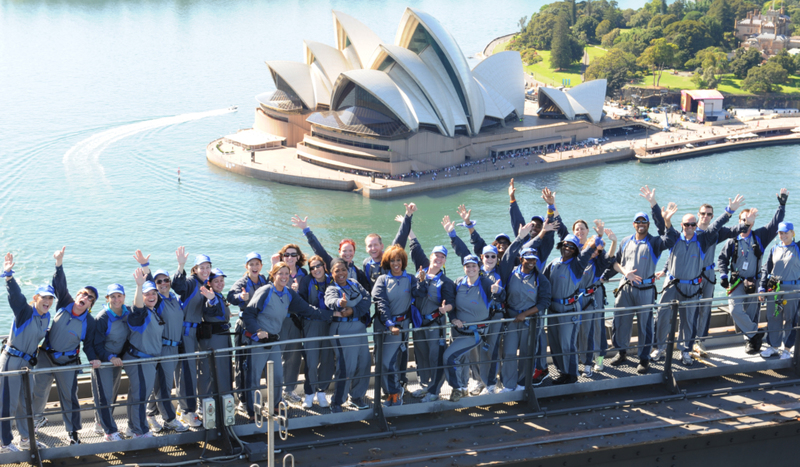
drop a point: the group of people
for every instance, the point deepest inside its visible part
(320, 315)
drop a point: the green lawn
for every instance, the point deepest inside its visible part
(728, 84)
(500, 47)
(542, 71)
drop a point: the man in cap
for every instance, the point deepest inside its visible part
(636, 260)
(684, 278)
(740, 265)
(781, 273)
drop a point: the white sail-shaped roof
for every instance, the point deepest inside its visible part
(384, 89)
(504, 79)
(585, 99)
(362, 39)
(329, 59)
(298, 77)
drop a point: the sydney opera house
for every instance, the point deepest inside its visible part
(413, 105)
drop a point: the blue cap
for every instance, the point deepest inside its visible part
(148, 286)
(200, 259)
(470, 259)
(94, 291)
(641, 214)
(785, 226)
(537, 218)
(440, 249)
(217, 272)
(46, 291)
(574, 240)
(489, 249)
(161, 272)
(528, 253)
(502, 235)
(252, 255)
(115, 288)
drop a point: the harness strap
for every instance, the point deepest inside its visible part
(13, 351)
(134, 352)
(187, 325)
(170, 343)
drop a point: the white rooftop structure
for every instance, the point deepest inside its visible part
(423, 80)
(583, 101)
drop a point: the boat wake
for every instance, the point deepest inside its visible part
(85, 156)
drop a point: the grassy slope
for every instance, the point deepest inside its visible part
(545, 74)
(729, 84)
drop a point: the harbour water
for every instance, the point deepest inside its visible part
(104, 101)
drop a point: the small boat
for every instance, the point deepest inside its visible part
(233, 108)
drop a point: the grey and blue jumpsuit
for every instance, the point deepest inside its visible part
(60, 349)
(170, 311)
(353, 357)
(641, 255)
(592, 333)
(430, 344)
(145, 341)
(234, 299)
(266, 311)
(110, 338)
(740, 259)
(192, 302)
(318, 354)
(783, 266)
(472, 305)
(217, 314)
(292, 353)
(683, 282)
(709, 280)
(393, 296)
(27, 330)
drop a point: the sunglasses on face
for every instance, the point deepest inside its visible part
(490, 256)
(690, 224)
(162, 281)
(706, 214)
(290, 255)
(315, 267)
(641, 222)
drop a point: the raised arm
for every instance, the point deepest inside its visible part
(506, 263)
(60, 280)
(313, 242)
(405, 226)
(458, 245)
(768, 233)
(418, 255)
(179, 282)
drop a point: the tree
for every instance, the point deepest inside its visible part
(689, 36)
(640, 19)
(522, 22)
(743, 61)
(617, 67)
(710, 57)
(584, 29)
(560, 51)
(706, 78)
(785, 60)
(608, 39)
(603, 28)
(661, 54)
(766, 78)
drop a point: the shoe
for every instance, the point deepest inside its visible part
(657, 355)
(402, 393)
(359, 403)
(785, 355)
(394, 400)
(598, 365)
(566, 379)
(241, 409)
(175, 425)
(9, 448)
(112, 437)
(308, 402)
(430, 398)
(769, 351)
(73, 438)
(419, 393)
(700, 349)
(199, 411)
(98, 428)
(519, 388)
(587, 371)
(643, 366)
(155, 427)
(336, 408)
(749, 347)
(477, 389)
(39, 423)
(505, 390)
(491, 389)
(144, 435)
(539, 376)
(456, 395)
(758, 340)
(322, 400)
(189, 418)
(128, 433)
(292, 397)
(618, 359)
(686, 358)
(25, 444)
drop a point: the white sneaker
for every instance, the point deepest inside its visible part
(419, 393)
(587, 371)
(189, 418)
(491, 389)
(292, 397)
(146, 435)
(39, 423)
(25, 444)
(785, 355)
(519, 388)
(686, 358)
(700, 349)
(174, 424)
(308, 402)
(129, 432)
(504, 390)
(769, 351)
(428, 397)
(477, 389)
(112, 437)
(9, 448)
(657, 355)
(322, 400)
(599, 366)
(98, 428)
(155, 427)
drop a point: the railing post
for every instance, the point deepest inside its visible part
(270, 415)
(530, 395)
(222, 430)
(35, 456)
(669, 379)
(377, 405)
